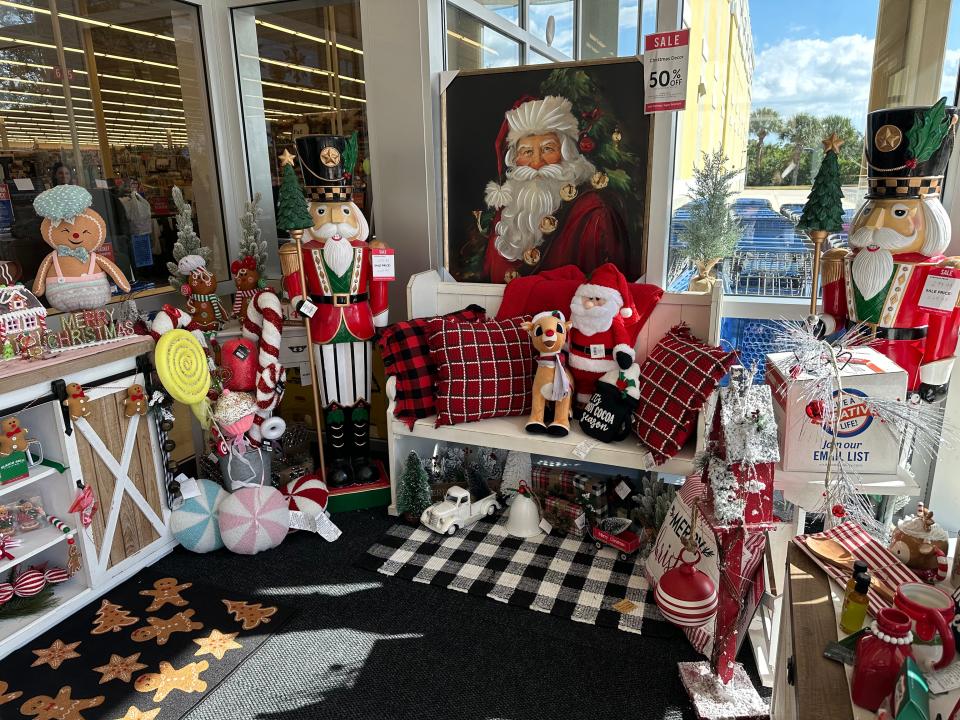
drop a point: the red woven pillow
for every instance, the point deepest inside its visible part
(406, 356)
(485, 369)
(675, 381)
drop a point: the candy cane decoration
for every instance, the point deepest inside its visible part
(264, 324)
(169, 318)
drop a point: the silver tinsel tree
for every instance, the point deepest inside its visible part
(250, 243)
(188, 242)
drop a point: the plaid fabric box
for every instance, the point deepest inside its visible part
(565, 516)
(560, 483)
(405, 348)
(594, 499)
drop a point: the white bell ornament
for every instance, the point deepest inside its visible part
(523, 519)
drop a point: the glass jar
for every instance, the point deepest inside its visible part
(880, 654)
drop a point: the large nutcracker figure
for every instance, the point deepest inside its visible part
(345, 297)
(895, 277)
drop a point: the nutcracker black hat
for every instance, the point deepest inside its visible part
(327, 162)
(908, 149)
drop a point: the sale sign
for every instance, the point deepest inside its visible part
(665, 59)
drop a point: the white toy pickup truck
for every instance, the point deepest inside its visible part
(456, 511)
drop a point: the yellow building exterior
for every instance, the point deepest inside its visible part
(719, 83)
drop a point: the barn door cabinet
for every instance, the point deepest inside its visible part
(118, 457)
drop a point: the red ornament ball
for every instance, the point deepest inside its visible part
(586, 144)
(911, 163)
(814, 411)
(838, 511)
(239, 358)
(685, 595)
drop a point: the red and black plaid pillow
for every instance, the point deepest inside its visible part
(485, 369)
(406, 355)
(675, 381)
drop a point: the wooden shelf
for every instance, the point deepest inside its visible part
(509, 434)
(35, 541)
(37, 472)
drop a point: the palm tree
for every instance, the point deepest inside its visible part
(801, 131)
(763, 122)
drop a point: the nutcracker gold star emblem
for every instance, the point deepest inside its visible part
(888, 138)
(330, 156)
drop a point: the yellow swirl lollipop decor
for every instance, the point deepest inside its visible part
(182, 367)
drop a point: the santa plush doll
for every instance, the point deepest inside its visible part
(604, 329)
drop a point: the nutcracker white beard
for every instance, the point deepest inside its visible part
(873, 263)
(337, 253)
(528, 195)
(591, 321)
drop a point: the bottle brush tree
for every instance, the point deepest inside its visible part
(413, 492)
(712, 231)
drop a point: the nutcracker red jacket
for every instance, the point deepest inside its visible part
(355, 301)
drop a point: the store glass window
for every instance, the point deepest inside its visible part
(507, 9)
(112, 96)
(610, 28)
(301, 73)
(766, 85)
(553, 22)
(473, 45)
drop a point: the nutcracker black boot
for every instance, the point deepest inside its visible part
(338, 471)
(364, 471)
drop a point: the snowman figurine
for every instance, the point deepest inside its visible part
(79, 277)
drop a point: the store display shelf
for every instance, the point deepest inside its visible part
(508, 434)
(805, 489)
(35, 541)
(70, 596)
(37, 472)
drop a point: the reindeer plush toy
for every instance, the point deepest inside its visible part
(552, 383)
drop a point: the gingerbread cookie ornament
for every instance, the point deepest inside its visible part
(76, 402)
(74, 276)
(13, 437)
(166, 590)
(135, 403)
(62, 707)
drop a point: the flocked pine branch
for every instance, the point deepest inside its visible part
(250, 243)
(188, 242)
(712, 230)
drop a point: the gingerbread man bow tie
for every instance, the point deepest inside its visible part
(79, 253)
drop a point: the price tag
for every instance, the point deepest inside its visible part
(308, 309)
(665, 60)
(101, 184)
(383, 264)
(23, 184)
(622, 490)
(546, 526)
(583, 449)
(598, 351)
(580, 521)
(328, 531)
(940, 291)
(299, 521)
(189, 488)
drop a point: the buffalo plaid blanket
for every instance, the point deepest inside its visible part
(562, 576)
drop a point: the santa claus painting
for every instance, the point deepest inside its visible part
(560, 186)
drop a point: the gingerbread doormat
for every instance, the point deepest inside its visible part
(150, 649)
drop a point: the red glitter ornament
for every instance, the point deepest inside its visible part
(814, 411)
(911, 163)
(838, 511)
(586, 144)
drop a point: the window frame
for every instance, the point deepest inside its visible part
(515, 32)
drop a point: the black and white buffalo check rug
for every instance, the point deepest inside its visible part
(563, 576)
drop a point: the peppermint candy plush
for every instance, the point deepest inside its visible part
(308, 495)
(254, 519)
(194, 524)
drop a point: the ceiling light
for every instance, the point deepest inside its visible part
(324, 41)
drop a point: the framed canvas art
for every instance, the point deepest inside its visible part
(545, 166)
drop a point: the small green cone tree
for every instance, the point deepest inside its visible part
(293, 212)
(824, 207)
(413, 492)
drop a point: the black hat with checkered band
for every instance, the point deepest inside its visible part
(323, 162)
(908, 149)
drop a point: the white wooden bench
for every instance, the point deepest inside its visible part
(429, 295)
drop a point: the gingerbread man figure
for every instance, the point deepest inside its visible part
(186, 679)
(135, 403)
(62, 707)
(76, 402)
(13, 438)
(163, 628)
(166, 590)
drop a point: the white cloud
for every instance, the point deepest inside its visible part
(821, 77)
(951, 65)
(627, 19)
